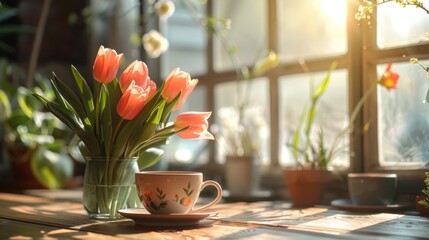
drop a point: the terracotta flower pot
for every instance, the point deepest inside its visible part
(306, 187)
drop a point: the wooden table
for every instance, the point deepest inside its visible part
(60, 216)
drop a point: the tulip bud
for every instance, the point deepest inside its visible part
(176, 82)
(106, 65)
(136, 71)
(133, 101)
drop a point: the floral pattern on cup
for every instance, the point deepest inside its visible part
(183, 200)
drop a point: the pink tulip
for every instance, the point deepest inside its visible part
(133, 101)
(136, 71)
(176, 82)
(106, 65)
(198, 125)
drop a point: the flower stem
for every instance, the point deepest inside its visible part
(115, 132)
(353, 116)
(360, 104)
(97, 111)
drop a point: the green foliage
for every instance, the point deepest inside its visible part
(314, 155)
(426, 191)
(26, 126)
(91, 114)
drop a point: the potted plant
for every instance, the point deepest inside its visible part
(422, 200)
(307, 181)
(35, 142)
(241, 132)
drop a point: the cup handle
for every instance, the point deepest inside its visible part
(216, 200)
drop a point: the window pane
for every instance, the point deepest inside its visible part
(404, 122)
(187, 43)
(256, 115)
(397, 26)
(185, 150)
(331, 115)
(312, 28)
(248, 32)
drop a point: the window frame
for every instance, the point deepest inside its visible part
(371, 57)
(360, 60)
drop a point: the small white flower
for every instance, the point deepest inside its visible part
(164, 9)
(154, 44)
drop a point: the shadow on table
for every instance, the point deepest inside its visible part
(127, 226)
(392, 226)
(270, 213)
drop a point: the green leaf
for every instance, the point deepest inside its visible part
(106, 119)
(135, 132)
(52, 169)
(123, 138)
(85, 94)
(140, 137)
(66, 116)
(307, 118)
(21, 98)
(6, 108)
(160, 138)
(157, 112)
(16, 119)
(69, 99)
(315, 98)
(322, 87)
(149, 157)
(146, 131)
(115, 95)
(296, 135)
(168, 108)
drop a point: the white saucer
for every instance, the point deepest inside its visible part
(346, 204)
(142, 217)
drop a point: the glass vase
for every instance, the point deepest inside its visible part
(109, 185)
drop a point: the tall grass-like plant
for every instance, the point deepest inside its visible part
(310, 154)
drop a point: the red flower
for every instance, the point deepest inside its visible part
(198, 125)
(185, 201)
(176, 82)
(389, 79)
(136, 71)
(133, 101)
(106, 65)
(147, 193)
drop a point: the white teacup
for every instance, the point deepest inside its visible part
(168, 192)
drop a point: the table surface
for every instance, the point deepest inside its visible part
(59, 215)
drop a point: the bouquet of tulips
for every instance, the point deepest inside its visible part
(119, 122)
(124, 118)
